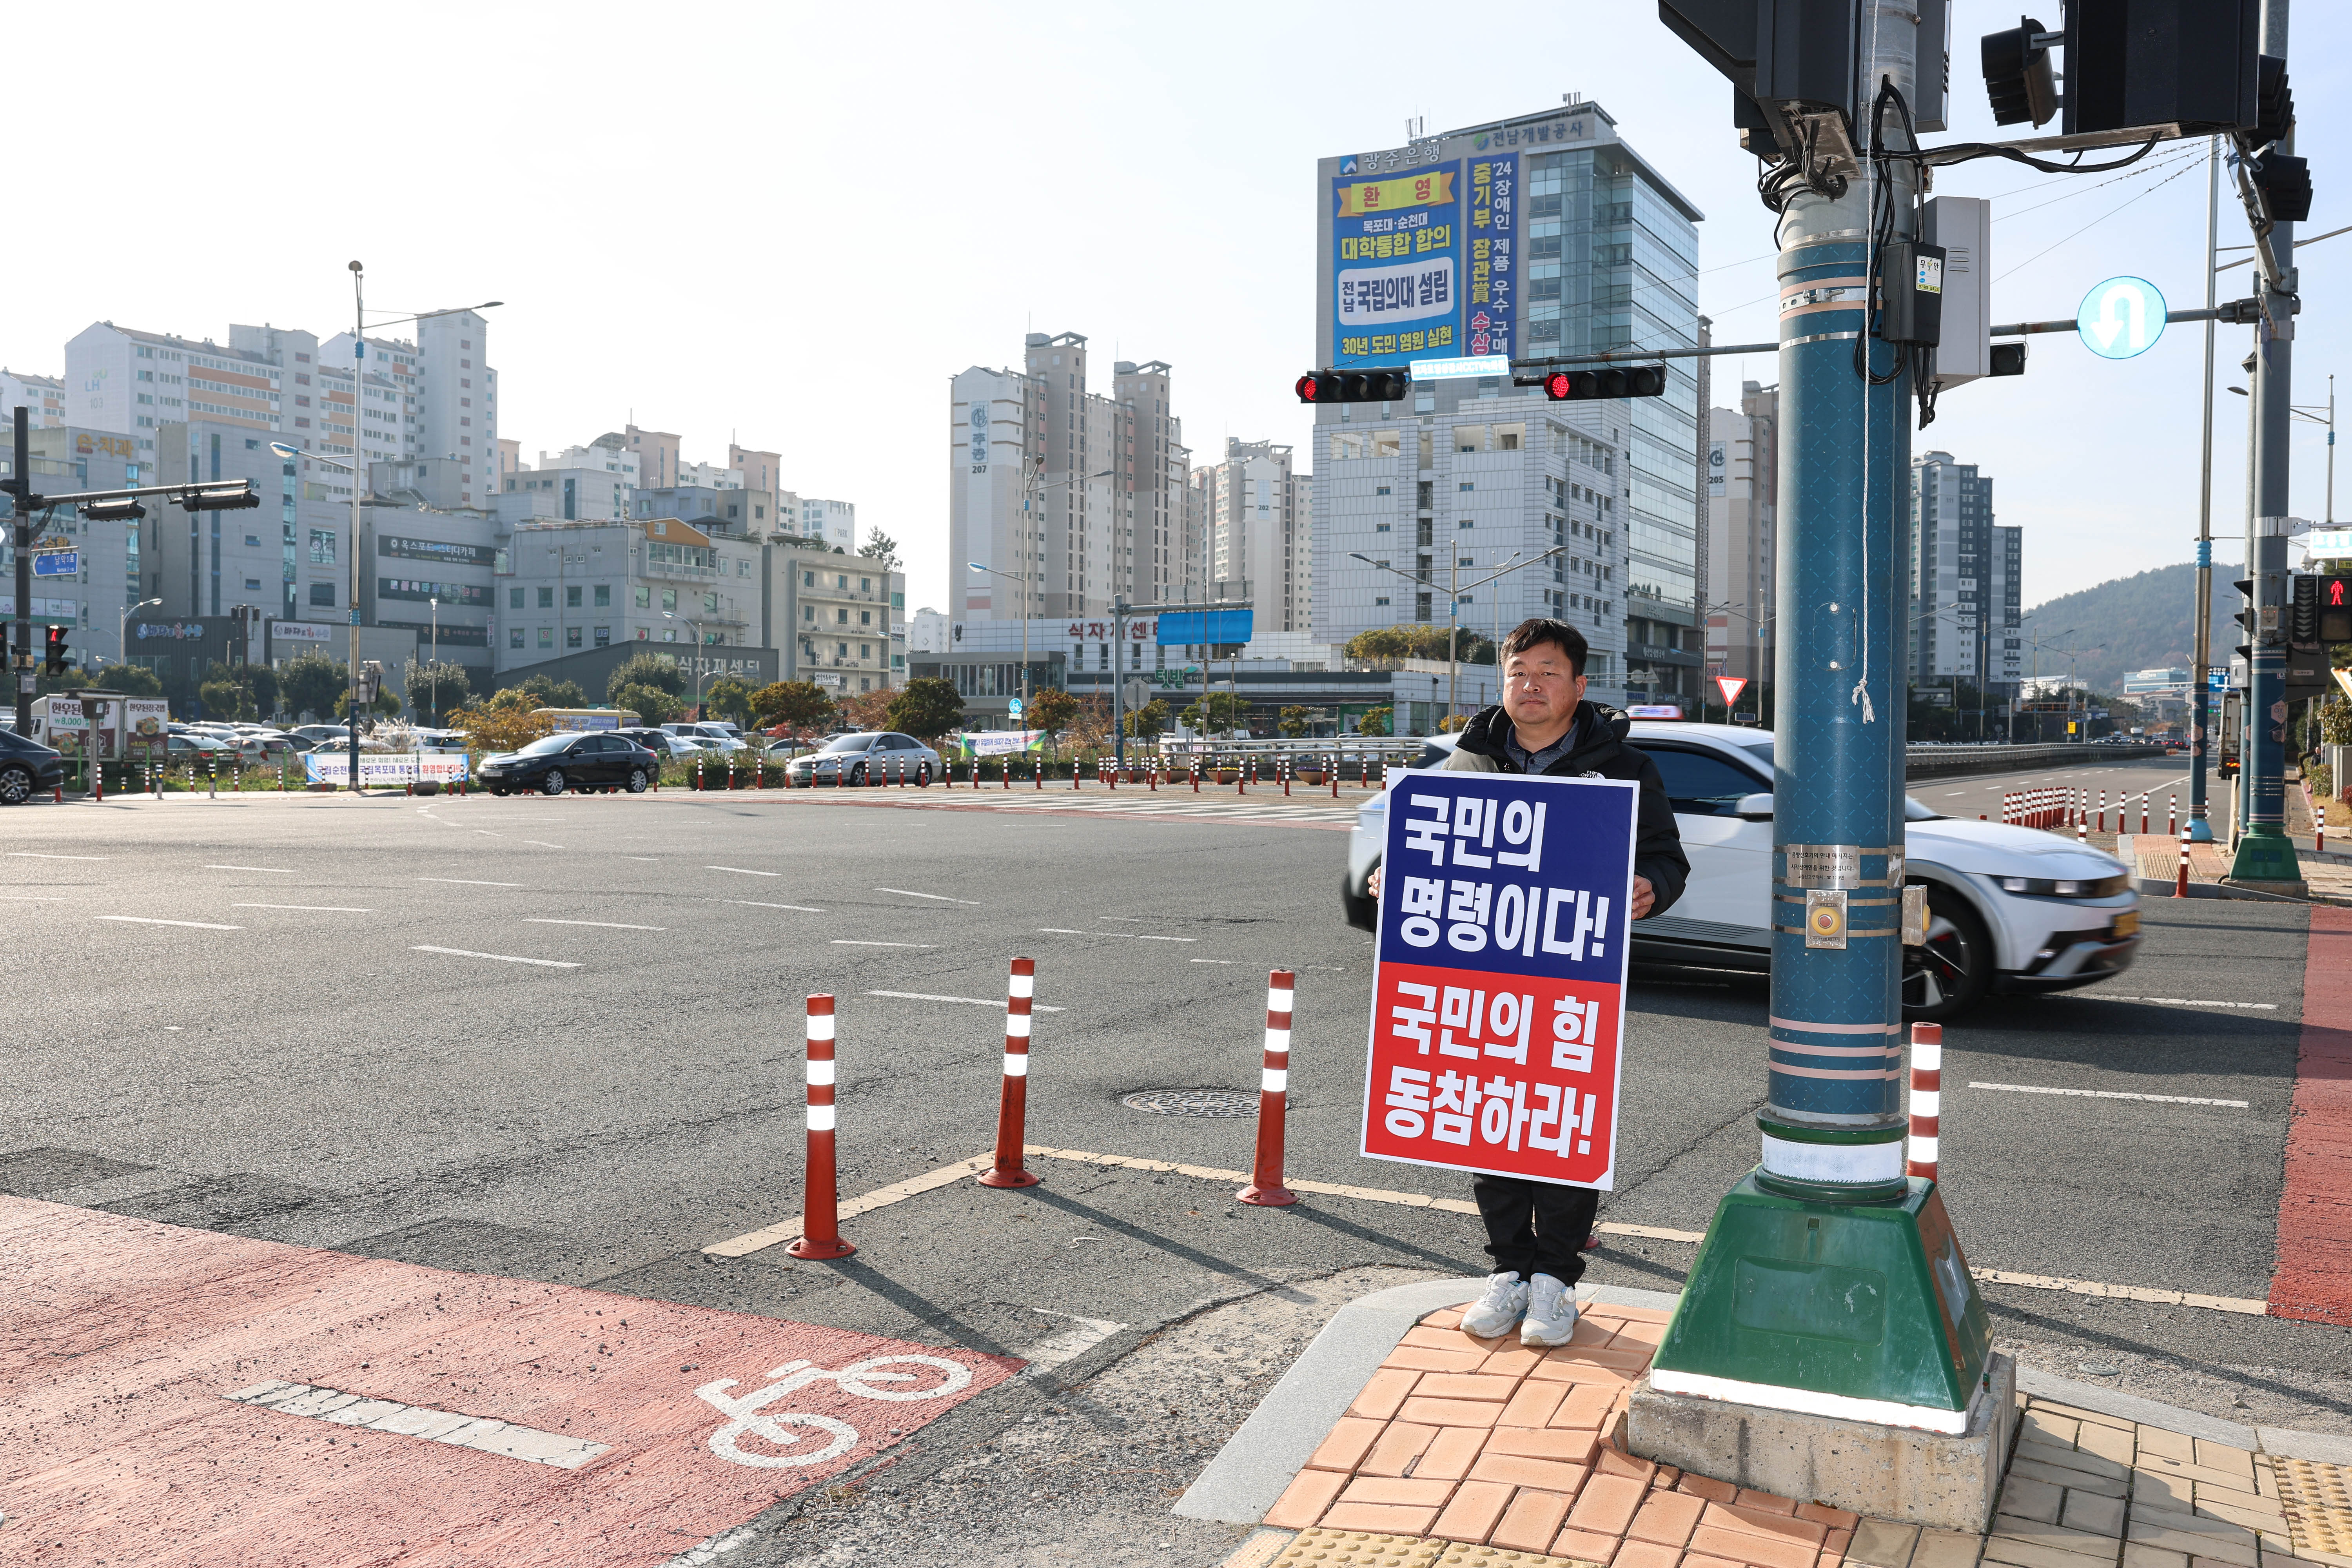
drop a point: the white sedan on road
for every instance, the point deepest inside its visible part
(2009, 910)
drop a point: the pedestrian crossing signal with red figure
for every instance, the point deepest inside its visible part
(53, 660)
(2322, 610)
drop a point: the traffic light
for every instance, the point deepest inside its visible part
(125, 511)
(52, 658)
(1353, 387)
(1785, 60)
(2274, 104)
(2133, 63)
(2322, 610)
(218, 500)
(2008, 359)
(1590, 385)
(2285, 185)
(2018, 76)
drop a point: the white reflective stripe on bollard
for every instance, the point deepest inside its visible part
(1278, 1040)
(1016, 1025)
(1927, 1102)
(1016, 1064)
(820, 1026)
(1024, 986)
(820, 1072)
(1927, 1055)
(1275, 1080)
(1923, 1149)
(1278, 1000)
(820, 1118)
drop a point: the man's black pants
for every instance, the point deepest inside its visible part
(1536, 1227)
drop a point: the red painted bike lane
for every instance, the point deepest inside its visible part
(430, 1418)
(2313, 1280)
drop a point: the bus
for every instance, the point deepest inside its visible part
(567, 718)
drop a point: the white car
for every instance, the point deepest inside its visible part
(2009, 910)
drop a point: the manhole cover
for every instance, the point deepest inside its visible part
(1193, 1101)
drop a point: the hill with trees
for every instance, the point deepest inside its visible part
(2142, 622)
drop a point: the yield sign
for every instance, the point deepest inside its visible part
(1731, 686)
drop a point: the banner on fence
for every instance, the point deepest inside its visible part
(1499, 978)
(996, 742)
(384, 769)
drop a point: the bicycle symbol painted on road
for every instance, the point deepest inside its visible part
(746, 1413)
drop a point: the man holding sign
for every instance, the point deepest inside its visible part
(1499, 996)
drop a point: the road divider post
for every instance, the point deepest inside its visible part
(1012, 1169)
(2181, 877)
(1927, 1097)
(1265, 1188)
(821, 1206)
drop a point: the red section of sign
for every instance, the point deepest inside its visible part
(2313, 1278)
(118, 1443)
(1477, 1071)
(1731, 686)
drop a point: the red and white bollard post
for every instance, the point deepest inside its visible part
(1265, 1188)
(820, 1209)
(2181, 880)
(1927, 1097)
(1013, 1100)
(2172, 813)
(2143, 811)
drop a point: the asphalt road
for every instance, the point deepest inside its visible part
(326, 1041)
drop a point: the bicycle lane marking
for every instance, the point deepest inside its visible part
(120, 1407)
(2313, 1277)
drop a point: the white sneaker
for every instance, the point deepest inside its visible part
(1492, 1315)
(1551, 1312)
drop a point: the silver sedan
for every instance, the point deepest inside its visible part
(868, 756)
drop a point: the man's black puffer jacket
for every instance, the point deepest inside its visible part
(1657, 846)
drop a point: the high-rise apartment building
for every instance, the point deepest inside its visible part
(1742, 476)
(1260, 543)
(1536, 235)
(43, 398)
(1965, 591)
(1072, 498)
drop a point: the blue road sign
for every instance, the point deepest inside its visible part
(1014, 708)
(58, 563)
(2121, 318)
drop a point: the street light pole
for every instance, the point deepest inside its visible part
(124, 642)
(433, 663)
(1454, 589)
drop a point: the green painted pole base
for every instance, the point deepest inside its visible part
(2265, 855)
(1866, 1311)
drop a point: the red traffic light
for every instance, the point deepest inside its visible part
(1559, 386)
(1352, 386)
(1309, 386)
(1593, 386)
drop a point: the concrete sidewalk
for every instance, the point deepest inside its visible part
(1397, 1439)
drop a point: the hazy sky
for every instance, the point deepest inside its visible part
(795, 223)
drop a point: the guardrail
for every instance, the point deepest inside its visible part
(1945, 762)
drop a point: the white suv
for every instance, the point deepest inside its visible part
(2009, 910)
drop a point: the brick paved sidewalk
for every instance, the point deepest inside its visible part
(1463, 1451)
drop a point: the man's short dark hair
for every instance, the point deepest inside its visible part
(1543, 629)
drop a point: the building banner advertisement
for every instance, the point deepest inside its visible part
(997, 742)
(1397, 244)
(1499, 977)
(1491, 305)
(383, 770)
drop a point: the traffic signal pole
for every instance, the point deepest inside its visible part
(2264, 853)
(1851, 1250)
(20, 489)
(2201, 696)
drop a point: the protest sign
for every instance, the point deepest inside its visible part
(1499, 977)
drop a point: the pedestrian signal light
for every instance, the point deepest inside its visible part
(2018, 74)
(2322, 611)
(1592, 386)
(2284, 183)
(1352, 386)
(53, 660)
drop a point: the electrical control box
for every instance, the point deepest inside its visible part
(1911, 293)
(1962, 227)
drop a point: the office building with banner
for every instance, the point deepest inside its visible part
(1536, 235)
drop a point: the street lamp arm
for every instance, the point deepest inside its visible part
(429, 315)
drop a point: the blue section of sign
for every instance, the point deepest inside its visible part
(1508, 875)
(58, 563)
(1490, 301)
(1184, 628)
(1396, 266)
(2121, 318)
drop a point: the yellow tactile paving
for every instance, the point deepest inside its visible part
(1460, 1555)
(1318, 1548)
(2318, 1501)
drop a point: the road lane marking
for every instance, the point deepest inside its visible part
(36, 855)
(35, 898)
(742, 871)
(501, 957)
(2193, 1002)
(2109, 1094)
(1213, 961)
(881, 1197)
(941, 898)
(273, 871)
(972, 1001)
(316, 909)
(1130, 935)
(479, 1432)
(609, 925)
(468, 882)
(1082, 1336)
(1141, 936)
(755, 904)
(846, 941)
(649, 859)
(150, 921)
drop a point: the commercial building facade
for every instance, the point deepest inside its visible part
(1260, 543)
(1536, 235)
(1742, 481)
